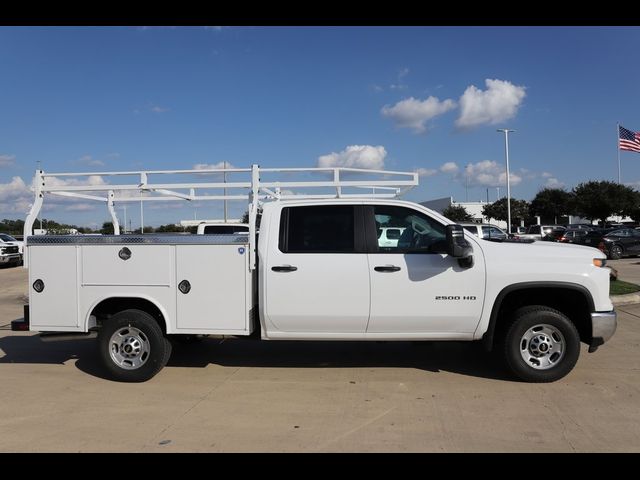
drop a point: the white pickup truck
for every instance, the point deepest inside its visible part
(318, 272)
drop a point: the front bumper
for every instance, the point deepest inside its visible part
(13, 257)
(603, 326)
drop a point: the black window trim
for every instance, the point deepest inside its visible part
(358, 230)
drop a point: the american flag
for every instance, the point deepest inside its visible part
(629, 140)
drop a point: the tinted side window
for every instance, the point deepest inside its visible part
(321, 229)
(620, 233)
(486, 232)
(224, 229)
(495, 233)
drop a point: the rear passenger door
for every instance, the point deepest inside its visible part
(317, 280)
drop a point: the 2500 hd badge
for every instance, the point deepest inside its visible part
(455, 297)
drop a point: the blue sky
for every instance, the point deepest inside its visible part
(407, 98)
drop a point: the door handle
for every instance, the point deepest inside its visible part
(387, 268)
(284, 268)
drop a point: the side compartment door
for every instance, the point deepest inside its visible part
(317, 277)
(215, 295)
(56, 306)
(415, 286)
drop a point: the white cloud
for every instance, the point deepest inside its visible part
(355, 156)
(15, 196)
(403, 72)
(90, 161)
(81, 207)
(499, 102)
(426, 172)
(414, 113)
(449, 167)
(488, 173)
(546, 175)
(158, 109)
(63, 182)
(213, 166)
(7, 160)
(553, 182)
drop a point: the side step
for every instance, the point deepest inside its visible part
(60, 336)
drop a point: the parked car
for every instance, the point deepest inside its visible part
(10, 251)
(573, 235)
(581, 226)
(621, 242)
(485, 230)
(538, 232)
(555, 235)
(389, 236)
(221, 228)
(9, 240)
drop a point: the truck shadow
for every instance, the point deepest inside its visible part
(456, 357)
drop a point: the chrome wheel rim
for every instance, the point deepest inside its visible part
(129, 348)
(542, 346)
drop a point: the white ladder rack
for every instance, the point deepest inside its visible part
(389, 184)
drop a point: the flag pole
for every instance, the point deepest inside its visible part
(618, 148)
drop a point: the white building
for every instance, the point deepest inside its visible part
(473, 208)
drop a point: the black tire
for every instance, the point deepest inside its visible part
(138, 331)
(615, 252)
(516, 346)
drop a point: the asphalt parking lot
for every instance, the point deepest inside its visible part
(312, 397)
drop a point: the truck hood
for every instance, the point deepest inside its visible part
(541, 249)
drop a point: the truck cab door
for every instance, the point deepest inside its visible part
(317, 276)
(416, 288)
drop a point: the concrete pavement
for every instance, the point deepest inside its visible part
(241, 396)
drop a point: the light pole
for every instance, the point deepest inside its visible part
(506, 152)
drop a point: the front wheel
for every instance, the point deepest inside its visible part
(132, 346)
(615, 252)
(541, 345)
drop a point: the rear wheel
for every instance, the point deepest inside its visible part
(132, 346)
(541, 344)
(615, 252)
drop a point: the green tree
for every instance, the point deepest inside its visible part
(107, 228)
(597, 200)
(498, 209)
(457, 213)
(171, 227)
(146, 230)
(54, 228)
(551, 203)
(12, 227)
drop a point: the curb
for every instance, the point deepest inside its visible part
(627, 299)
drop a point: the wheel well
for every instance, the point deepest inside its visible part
(572, 302)
(106, 308)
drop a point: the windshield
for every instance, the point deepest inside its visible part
(7, 238)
